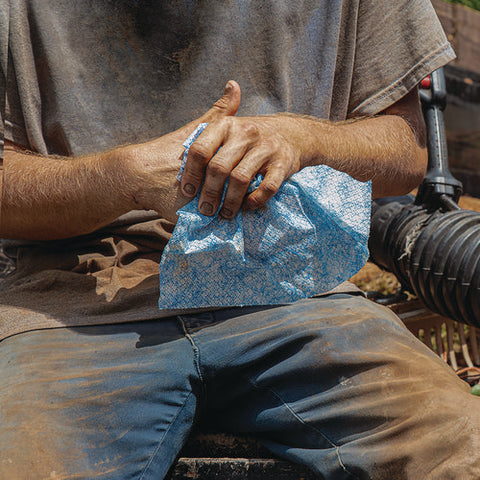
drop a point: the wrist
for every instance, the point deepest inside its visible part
(148, 174)
(314, 140)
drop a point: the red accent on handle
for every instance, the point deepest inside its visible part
(426, 83)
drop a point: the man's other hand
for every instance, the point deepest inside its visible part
(152, 167)
(50, 197)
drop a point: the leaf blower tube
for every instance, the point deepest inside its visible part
(428, 241)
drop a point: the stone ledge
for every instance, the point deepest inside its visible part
(222, 456)
(238, 469)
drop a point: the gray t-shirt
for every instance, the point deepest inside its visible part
(88, 75)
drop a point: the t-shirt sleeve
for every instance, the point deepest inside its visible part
(399, 42)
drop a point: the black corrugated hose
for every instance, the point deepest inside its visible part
(429, 242)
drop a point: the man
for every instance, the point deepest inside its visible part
(98, 382)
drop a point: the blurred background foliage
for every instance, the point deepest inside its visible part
(468, 3)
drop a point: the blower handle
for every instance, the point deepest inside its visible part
(439, 187)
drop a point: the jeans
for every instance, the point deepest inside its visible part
(335, 383)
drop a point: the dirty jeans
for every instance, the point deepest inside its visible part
(336, 383)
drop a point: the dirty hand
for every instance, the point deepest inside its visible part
(273, 146)
(150, 169)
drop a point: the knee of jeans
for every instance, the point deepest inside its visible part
(343, 326)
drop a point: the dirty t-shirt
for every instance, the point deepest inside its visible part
(88, 75)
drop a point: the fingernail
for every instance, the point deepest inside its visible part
(228, 87)
(225, 212)
(189, 189)
(206, 208)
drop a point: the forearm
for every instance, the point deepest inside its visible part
(384, 149)
(388, 149)
(49, 198)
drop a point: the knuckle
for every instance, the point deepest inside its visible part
(217, 169)
(250, 130)
(221, 104)
(267, 143)
(198, 152)
(255, 203)
(269, 188)
(274, 143)
(272, 146)
(240, 177)
(231, 205)
(193, 177)
(209, 193)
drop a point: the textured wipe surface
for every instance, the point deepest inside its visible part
(311, 236)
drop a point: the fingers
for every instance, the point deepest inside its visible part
(217, 172)
(199, 155)
(240, 180)
(240, 163)
(207, 161)
(268, 188)
(236, 149)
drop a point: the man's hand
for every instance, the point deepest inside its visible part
(47, 198)
(153, 167)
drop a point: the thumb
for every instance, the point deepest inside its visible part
(227, 105)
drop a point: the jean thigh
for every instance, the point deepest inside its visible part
(340, 385)
(108, 402)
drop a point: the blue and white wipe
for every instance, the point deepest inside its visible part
(311, 236)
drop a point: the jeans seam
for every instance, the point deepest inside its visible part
(297, 416)
(196, 351)
(160, 442)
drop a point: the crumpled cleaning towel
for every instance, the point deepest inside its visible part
(311, 236)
